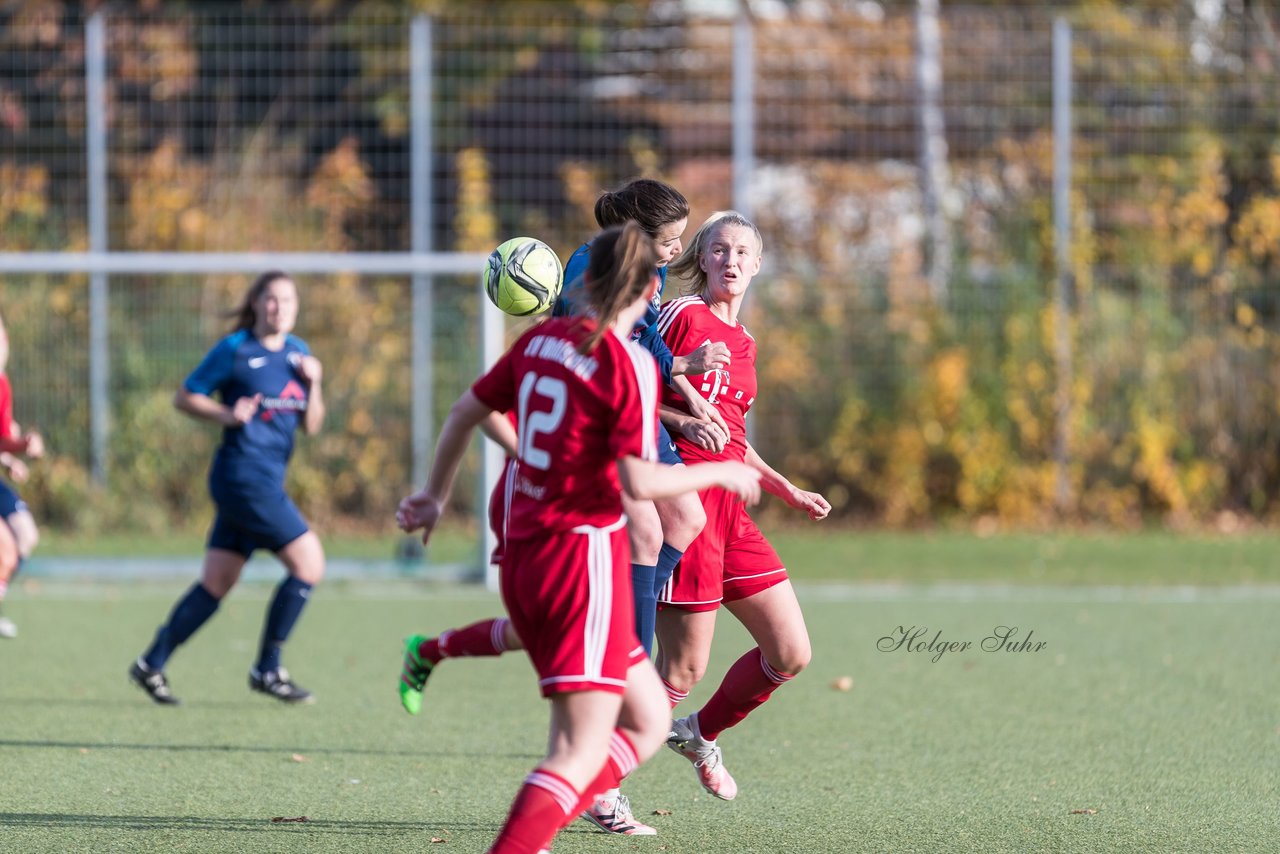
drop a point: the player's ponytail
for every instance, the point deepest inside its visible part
(688, 267)
(651, 204)
(244, 314)
(623, 261)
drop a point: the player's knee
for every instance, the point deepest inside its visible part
(794, 658)
(684, 675)
(312, 574)
(8, 563)
(646, 540)
(25, 533)
(683, 521)
(28, 541)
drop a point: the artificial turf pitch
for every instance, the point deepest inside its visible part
(1148, 722)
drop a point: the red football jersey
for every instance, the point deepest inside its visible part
(576, 415)
(686, 324)
(6, 407)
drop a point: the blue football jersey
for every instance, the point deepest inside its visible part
(239, 366)
(646, 331)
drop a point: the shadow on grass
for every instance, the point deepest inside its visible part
(235, 825)
(247, 748)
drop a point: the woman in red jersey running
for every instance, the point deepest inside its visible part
(731, 562)
(585, 400)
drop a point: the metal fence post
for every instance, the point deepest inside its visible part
(1063, 350)
(492, 338)
(744, 126)
(95, 68)
(422, 370)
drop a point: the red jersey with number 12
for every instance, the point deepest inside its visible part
(576, 415)
(686, 324)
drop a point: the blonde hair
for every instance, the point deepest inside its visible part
(622, 262)
(688, 265)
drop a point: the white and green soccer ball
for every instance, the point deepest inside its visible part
(523, 276)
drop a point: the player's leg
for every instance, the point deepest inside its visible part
(644, 529)
(684, 640)
(9, 558)
(221, 571)
(776, 623)
(642, 728)
(485, 638)
(682, 519)
(25, 532)
(422, 653)
(583, 724)
(303, 558)
(684, 648)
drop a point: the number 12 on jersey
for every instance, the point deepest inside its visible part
(539, 421)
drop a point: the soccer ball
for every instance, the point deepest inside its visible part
(523, 276)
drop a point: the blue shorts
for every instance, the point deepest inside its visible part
(10, 503)
(254, 519)
(667, 452)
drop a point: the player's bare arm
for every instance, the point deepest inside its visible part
(499, 429)
(204, 407)
(776, 484)
(312, 373)
(422, 509)
(647, 480)
(17, 469)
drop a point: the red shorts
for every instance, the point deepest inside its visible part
(569, 598)
(499, 501)
(729, 560)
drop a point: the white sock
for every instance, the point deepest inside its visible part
(697, 732)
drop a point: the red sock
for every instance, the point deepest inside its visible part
(540, 809)
(748, 683)
(487, 637)
(621, 762)
(674, 695)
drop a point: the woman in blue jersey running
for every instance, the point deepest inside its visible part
(266, 383)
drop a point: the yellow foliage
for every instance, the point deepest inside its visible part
(340, 187)
(23, 197)
(475, 221)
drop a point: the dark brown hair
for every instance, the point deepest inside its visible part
(649, 203)
(623, 262)
(244, 314)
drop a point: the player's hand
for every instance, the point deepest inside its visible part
(810, 502)
(712, 356)
(35, 445)
(419, 511)
(703, 410)
(706, 435)
(243, 410)
(310, 370)
(18, 470)
(742, 480)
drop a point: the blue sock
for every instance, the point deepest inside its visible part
(285, 609)
(646, 604)
(667, 560)
(189, 614)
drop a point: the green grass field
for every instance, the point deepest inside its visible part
(829, 553)
(1151, 709)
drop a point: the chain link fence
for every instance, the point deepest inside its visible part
(276, 130)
